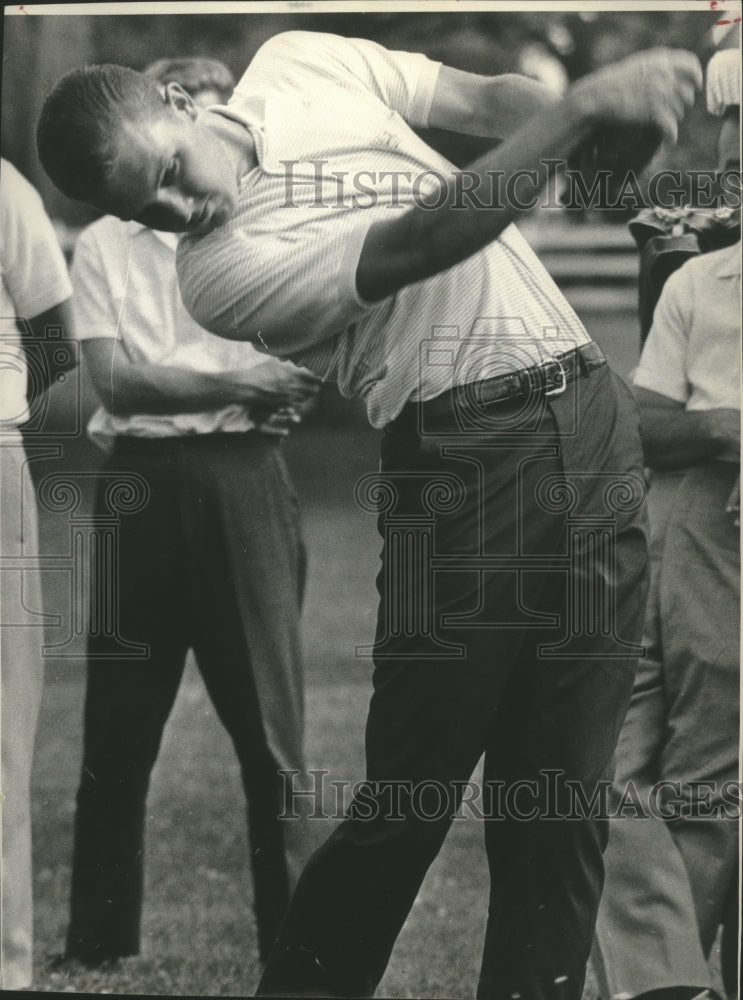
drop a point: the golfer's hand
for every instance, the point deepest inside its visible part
(654, 87)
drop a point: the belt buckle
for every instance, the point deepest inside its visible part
(563, 383)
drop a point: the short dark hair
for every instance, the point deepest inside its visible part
(77, 128)
(195, 74)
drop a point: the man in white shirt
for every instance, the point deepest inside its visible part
(319, 226)
(34, 294)
(213, 561)
(671, 875)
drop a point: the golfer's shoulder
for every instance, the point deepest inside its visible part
(301, 49)
(288, 62)
(212, 274)
(296, 58)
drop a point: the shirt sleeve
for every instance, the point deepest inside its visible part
(282, 292)
(404, 81)
(93, 304)
(34, 267)
(662, 366)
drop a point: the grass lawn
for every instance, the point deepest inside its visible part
(198, 935)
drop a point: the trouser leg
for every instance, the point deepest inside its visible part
(427, 722)
(647, 936)
(700, 604)
(668, 872)
(21, 639)
(126, 709)
(431, 714)
(730, 945)
(247, 579)
(646, 932)
(555, 745)
(126, 706)
(546, 873)
(224, 661)
(236, 702)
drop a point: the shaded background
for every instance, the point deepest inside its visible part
(38, 50)
(197, 927)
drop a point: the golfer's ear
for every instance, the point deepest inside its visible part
(177, 97)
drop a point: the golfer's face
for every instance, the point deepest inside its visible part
(170, 173)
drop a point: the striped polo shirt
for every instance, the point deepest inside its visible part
(332, 120)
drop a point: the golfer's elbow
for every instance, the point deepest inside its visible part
(415, 246)
(389, 259)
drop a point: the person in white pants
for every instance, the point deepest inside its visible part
(34, 294)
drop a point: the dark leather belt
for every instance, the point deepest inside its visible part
(549, 378)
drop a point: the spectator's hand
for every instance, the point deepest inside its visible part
(280, 423)
(303, 388)
(654, 87)
(275, 384)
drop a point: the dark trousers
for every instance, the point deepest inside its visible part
(512, 593)
(213, 561)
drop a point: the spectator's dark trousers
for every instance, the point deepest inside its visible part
(512, 595)
(211, 560)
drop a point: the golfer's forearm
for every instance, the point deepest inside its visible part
(509, 102)
(426, 241)
(487, 106)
